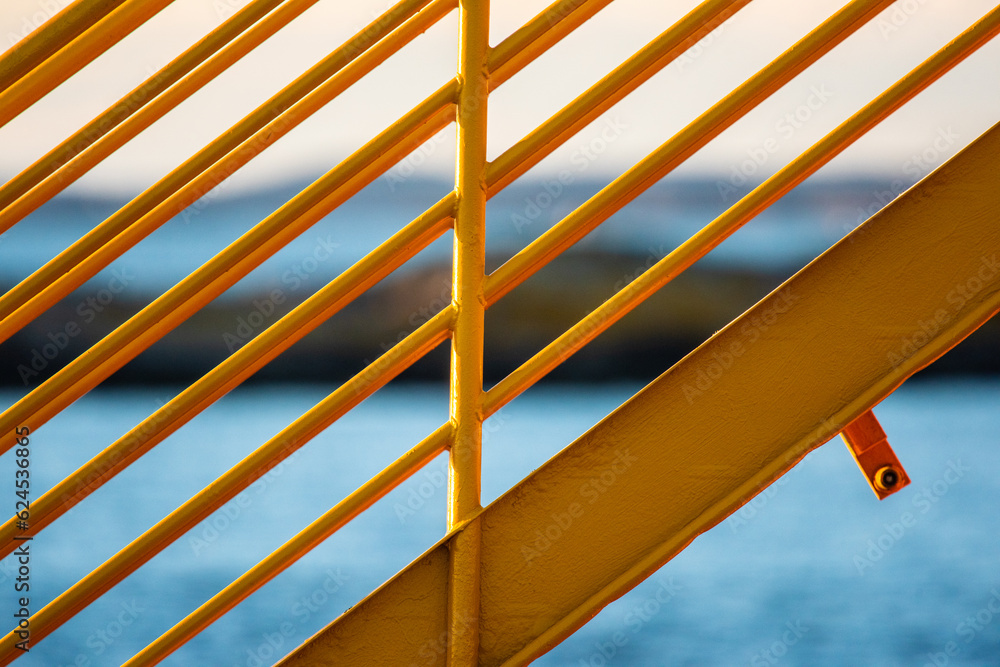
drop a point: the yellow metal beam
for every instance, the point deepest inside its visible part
(468, 277)
(537, 35)
(715, 429)
(607, 92)
(70, 59)
(54, 34)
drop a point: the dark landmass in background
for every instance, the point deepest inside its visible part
(641, 346)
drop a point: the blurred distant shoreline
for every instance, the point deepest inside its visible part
(644, 344)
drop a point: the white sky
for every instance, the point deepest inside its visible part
(963, 104)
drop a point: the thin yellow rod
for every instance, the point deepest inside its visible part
(237, 478)
(468, 275)
(280, 559)
(742, 212)
(682, 145)
(137, 99)
(97, 39)
(607, 92)
(236, 368)
(61, 29)
(198, 176)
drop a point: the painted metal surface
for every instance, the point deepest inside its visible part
(468, 332)
(455, 603)
(717, 428)
(105, 27)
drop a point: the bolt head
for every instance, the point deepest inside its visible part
(887, 478)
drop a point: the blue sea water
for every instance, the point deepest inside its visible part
(814, 571)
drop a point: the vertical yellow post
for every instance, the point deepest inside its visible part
(468, 278)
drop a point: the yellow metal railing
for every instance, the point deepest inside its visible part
(87, 28)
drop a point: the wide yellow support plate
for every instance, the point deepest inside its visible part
(711, 432)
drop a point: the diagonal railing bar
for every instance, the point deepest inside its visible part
(237, 478)
(535, 37)
(50, 37)
(742, 212)
(681, 146)
(174, 306)
(201, 173)
(71, 159)
(286, 555)
(607, 92)
(250, 358)
(73, 57)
